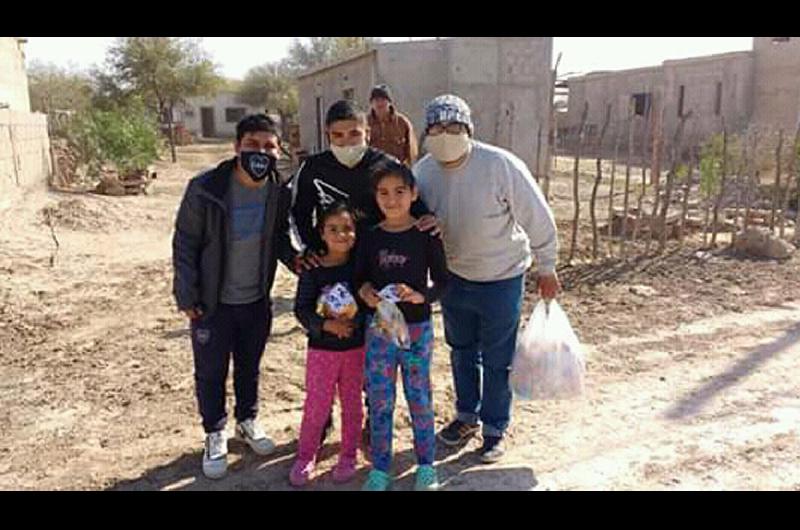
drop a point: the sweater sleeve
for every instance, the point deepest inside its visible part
(531, 211)
(305, 305)
(187, 244)
(437, 265)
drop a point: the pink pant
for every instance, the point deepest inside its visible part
(325, 370)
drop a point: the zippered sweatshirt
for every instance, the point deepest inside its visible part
(493, 214)
(199, 243)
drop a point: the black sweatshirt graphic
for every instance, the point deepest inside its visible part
(322, 180)
(406, 257)
(310, 286)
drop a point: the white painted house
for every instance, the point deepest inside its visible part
(216, 116)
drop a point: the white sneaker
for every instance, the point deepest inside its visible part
(215, 456)
(250, 433)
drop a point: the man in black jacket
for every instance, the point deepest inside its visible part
(232, 227)
(343, 173)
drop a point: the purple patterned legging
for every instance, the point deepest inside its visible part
(383, 358)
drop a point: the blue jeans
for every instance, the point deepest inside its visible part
(480, 325)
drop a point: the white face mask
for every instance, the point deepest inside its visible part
(349, 155)
(447, 147)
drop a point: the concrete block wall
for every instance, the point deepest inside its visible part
(777, 89)
(506, 82)
(416, 73)
(330, 84)
(24, 151)
(699, 77)
(13, 78)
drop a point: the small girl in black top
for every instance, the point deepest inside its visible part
(335, 347)
(396, 253)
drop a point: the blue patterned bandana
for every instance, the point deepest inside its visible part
(448, 108)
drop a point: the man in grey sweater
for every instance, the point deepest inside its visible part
(494, 220)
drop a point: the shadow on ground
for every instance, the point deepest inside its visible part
(695, 400)
(458, 469)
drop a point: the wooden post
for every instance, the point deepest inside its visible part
(551, 137)
(776, 191)
(538, 169)
(575, 183)
(722, 182)
(687, 189)
(676, 156)
(626, 196)
(740, 185)
(792, 164)
(611, 192)
(752, 174)
(637, 222)
(597, 179)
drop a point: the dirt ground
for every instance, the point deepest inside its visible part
(692, 384)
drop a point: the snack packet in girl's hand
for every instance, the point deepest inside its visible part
(337, 302)
(389, 320)
(390, 293)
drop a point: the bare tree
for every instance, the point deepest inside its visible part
(575, 182)
(777, 189)
(597, 179)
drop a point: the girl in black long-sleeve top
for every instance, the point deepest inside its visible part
(335, 348)
(396, 253)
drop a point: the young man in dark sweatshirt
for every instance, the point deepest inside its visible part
(343, 173)
(232, 227)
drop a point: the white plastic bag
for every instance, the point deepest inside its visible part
(549, 362)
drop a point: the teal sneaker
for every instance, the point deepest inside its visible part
(426, 479)
(377, 481)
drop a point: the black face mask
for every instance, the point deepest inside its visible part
(257, 164)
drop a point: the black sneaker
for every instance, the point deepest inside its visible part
(458, 433)
(493, 449)
(326, 431)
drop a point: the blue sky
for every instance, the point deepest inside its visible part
(235, 55)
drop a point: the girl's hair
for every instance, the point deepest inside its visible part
(395, 169)
(336, 208)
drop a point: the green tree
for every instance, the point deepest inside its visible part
(164, 71)
(271, 86)
(125, 136)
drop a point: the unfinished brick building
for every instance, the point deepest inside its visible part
(759, 87)
(505, 80)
